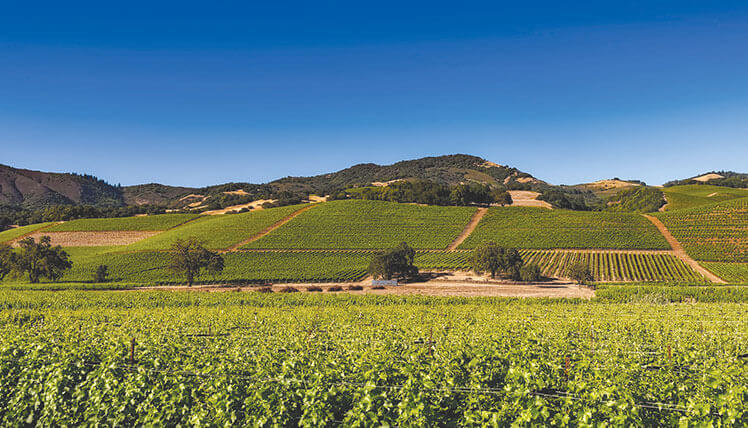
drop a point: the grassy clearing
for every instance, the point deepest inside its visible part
(717, 232)
(11, 234)
(150, 222)
(364, 224)
(693, 195)
(736, 273)
(219, 231)
(523, 227)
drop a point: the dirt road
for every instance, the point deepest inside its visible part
(679, 252)
(468, 229)
(270, 228)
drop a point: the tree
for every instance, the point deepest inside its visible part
(7, 260)
(580, 273)
(501, 197)
(190, 258)
(397, 262)
(41, 259)
(489, 257)
(101, 273)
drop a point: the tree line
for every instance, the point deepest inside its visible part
(429, 193)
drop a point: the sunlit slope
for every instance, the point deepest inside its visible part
(221, 231)
(522, 227)
(716, 232)
(138, 223)
(364, 224)
(17, 232)
(693, 195)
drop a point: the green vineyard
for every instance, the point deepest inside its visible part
(524, 227)
(364, 224)
(605, 265)
(736, 273)
(11, 234)
(146, 222)
(693, 195)
(221, 231)
(236, 359)
(717, 232)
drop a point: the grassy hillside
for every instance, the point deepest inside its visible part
(11, 234)
(151, 222)
(717, 232)
(221, 231)
(694, 195)
(523, 227)
(369, 224)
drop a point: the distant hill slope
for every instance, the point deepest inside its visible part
(449, 169)
(715, 178)
(36, 189)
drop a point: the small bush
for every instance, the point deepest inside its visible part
(530, 272)
(101, 273)
(264, 289)
(580, 273)
(288, 289)
(355, 288)
(314, 288)
(378, 287)
(335, 288)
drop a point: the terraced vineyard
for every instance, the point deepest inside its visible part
(218, 359)
(524, 227)
(220, 231)
(17, 232)
(149, 222)
(362, 224)
(717, 232)
(605, 266)
(736, 273)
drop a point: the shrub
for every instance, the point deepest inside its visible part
(378, 287)
(288, 289)
(530, 272)
(314, 288)
(355, 288)
(335, 288)
(264, 289)
(101, 273)
(580, 273)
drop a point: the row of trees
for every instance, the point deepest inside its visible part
(430, 193)
(487, 258)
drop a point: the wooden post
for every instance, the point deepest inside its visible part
(132, 351)
(670, 354)
(567, 366)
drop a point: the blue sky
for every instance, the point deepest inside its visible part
(198, 93)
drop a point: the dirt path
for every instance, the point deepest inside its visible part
(556, 289)
(468, 229)
(679, 252)
(270, 229)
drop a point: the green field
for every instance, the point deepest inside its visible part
(17, 232)
(369, 224)
(149, 222)
(219, 231)
(524, 227)
(152, 266)
(717, 232)
(605, 266)
(693, 195)
(237, 359)
(736, 273)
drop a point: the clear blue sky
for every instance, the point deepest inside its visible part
(198, 93)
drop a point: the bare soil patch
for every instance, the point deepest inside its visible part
(255, 205)
(707, 177)
(93, 239)
(526, 198)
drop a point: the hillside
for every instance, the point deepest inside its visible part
(35, 189)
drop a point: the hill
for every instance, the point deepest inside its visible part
(35, 189)
(715, 178)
